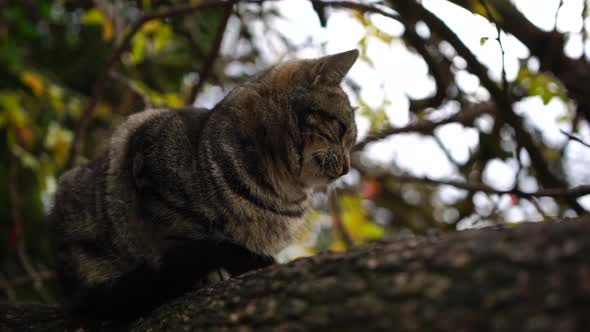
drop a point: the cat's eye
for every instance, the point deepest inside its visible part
(342, 128)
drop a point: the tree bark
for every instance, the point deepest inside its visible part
(531, 277)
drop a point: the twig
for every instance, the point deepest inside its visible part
(490, 15)
(207, 66)
(573, 192)
(505, 111)
(336, 210)
(427, 126)
(7, 287)
(584, 30)
(539, 208)
(131, 86)
(445, 151)
(575, 138)
(100, 83)
(362, 7)
(23, 258)
(557, 14)
(439, 71)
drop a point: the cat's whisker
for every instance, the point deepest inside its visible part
(316, 134)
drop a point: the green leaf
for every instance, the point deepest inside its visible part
(138, 45)
(377, 116)
(483, 40)
(93, 16)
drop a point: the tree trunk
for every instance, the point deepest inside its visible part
(532, 277)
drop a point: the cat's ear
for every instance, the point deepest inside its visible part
(331, 69)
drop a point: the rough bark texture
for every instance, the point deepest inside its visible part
(534, 277)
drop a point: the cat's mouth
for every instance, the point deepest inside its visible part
(331, 165)
(324, 165)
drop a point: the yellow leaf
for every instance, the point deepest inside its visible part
(26, 136)
(338, 246)
(96, 16)
(107, 30)
(103, 110)
(151, 26)
(93, 16)
(33, 81)
(478, 8)
(16, 117)
(58, 141)
(173, 100)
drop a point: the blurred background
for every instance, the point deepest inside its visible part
(471, 112)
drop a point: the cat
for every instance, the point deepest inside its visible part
(182, 196)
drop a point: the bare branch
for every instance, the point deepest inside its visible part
(17, 222)
(573, 192)
(129, 84)
(336, 211)
(575, 138)
(9, 285)
(505, 111)
(439, 70)
(490, 15)
(548, 47)
(207, 66)
(426, 127)
(361, 7)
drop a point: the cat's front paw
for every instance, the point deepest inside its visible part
(217, 275)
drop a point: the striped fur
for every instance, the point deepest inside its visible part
(181, 193)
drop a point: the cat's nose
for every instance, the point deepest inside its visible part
(345, 168)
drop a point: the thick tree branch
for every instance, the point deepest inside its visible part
(533, 277)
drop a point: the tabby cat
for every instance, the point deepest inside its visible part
(183, 193)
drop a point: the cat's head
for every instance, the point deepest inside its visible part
(324, 117)
(296, 114)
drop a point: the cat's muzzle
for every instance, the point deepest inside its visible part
(334, 165)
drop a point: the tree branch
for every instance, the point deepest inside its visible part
(412, 8)
(359, 6)
(336, 211)
(466, 117)
(575, 138)
(436, 65)
(207, 66)
(573, 192)
(531, 277)
(547, 47)
(18, 233)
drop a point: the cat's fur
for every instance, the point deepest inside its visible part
(184, 192)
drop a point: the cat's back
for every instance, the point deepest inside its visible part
(77, 203)
(83, 195)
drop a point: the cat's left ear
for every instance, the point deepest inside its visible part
(331, 69)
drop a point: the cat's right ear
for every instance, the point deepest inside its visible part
(331, 69)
